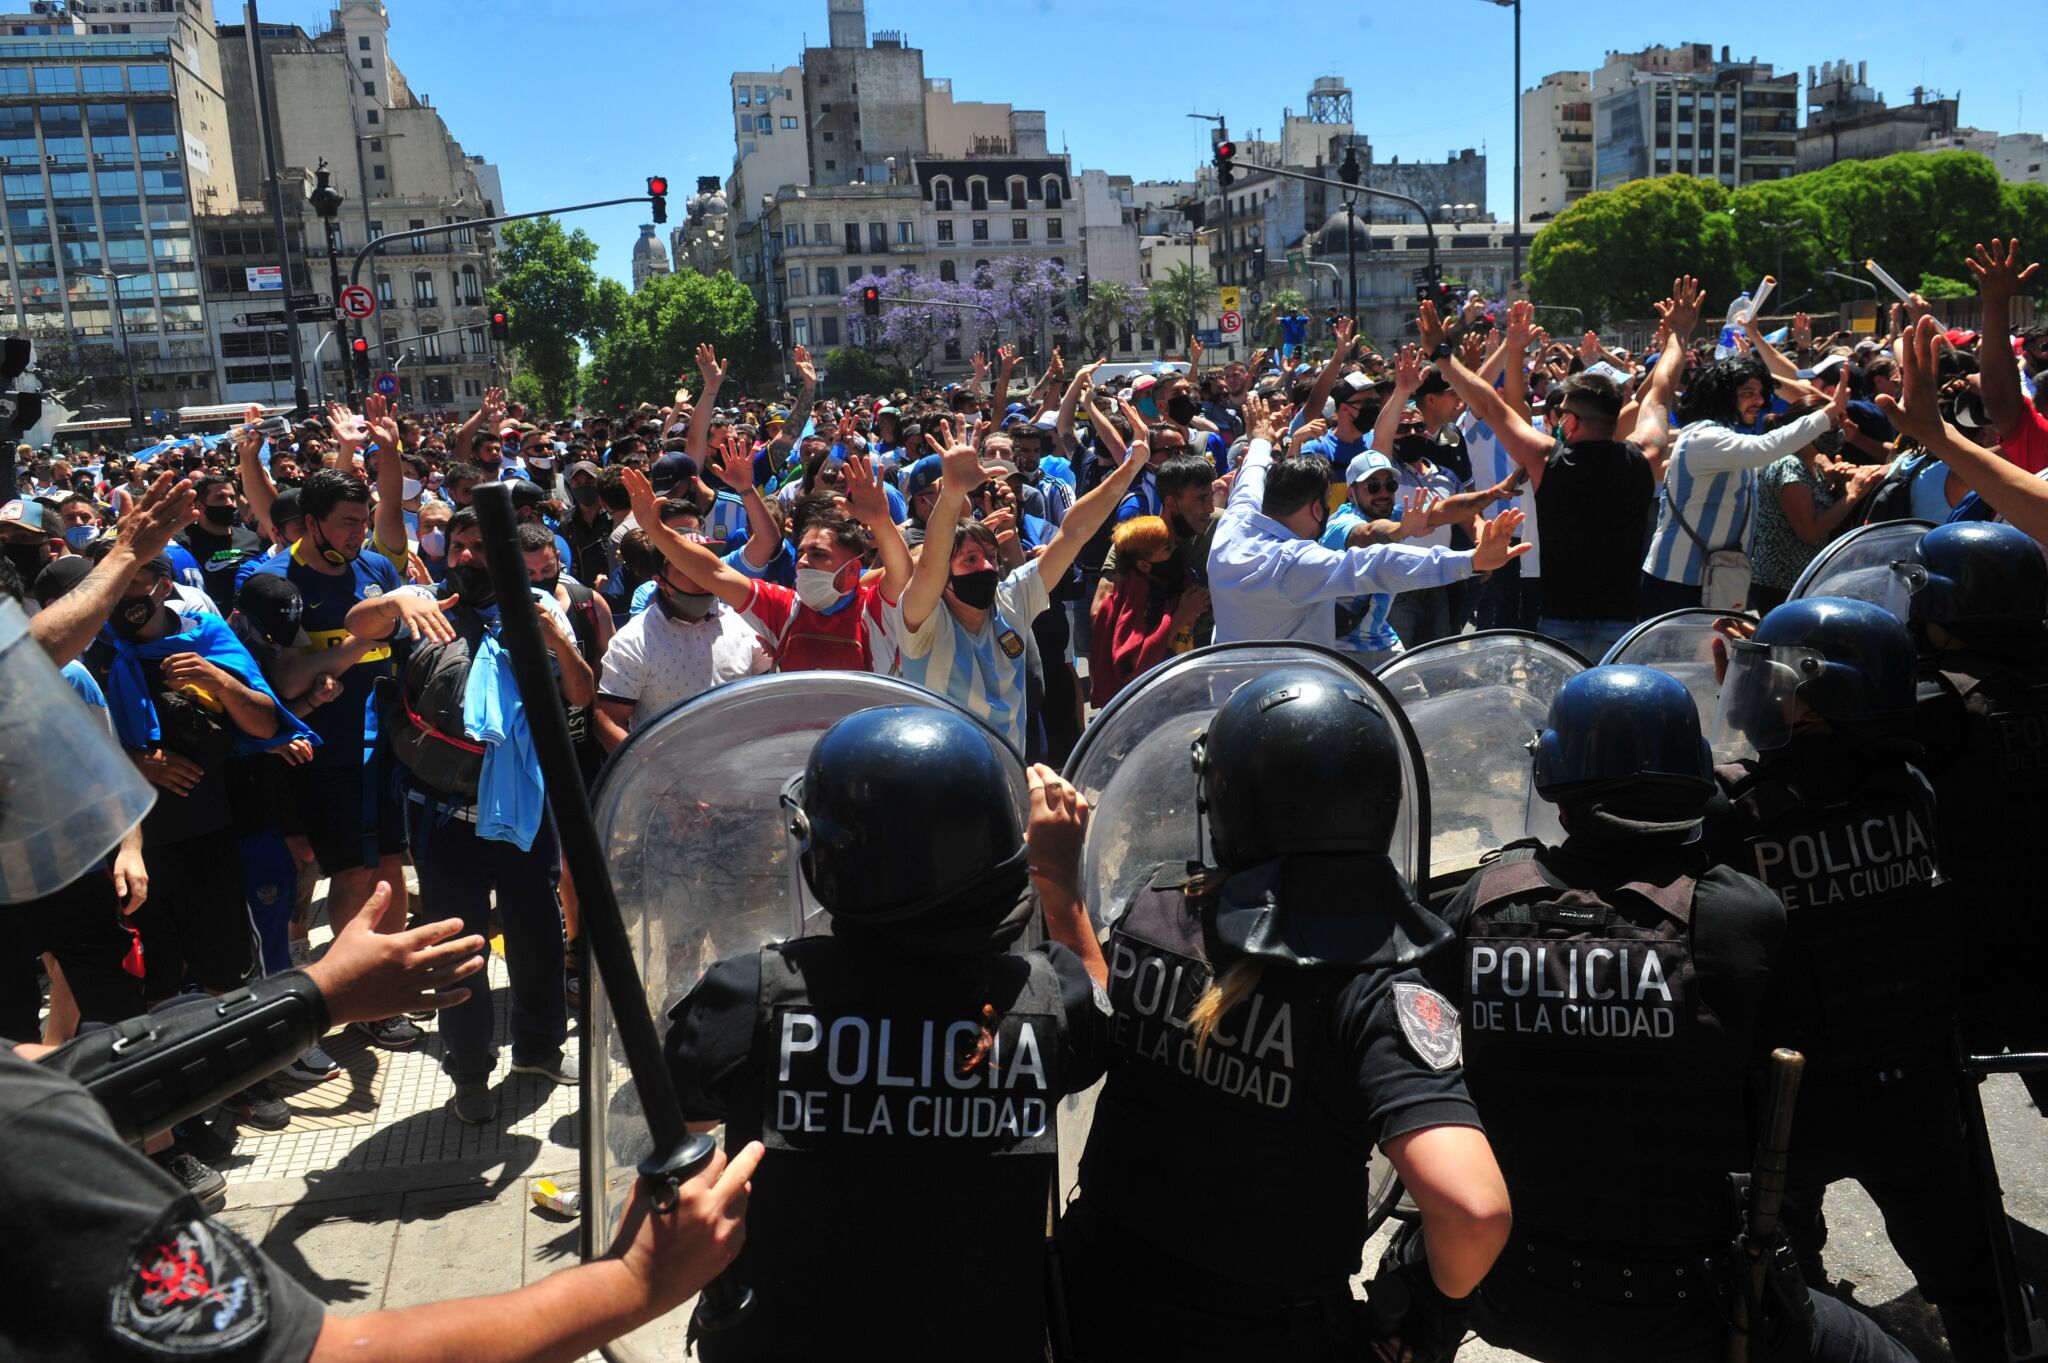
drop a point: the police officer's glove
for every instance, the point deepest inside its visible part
(1409, 1318)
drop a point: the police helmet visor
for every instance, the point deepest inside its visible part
(1854, 565)
(1760, 695)
(68, 794)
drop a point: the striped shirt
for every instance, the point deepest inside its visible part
(984, 671)
(1493, 465)
(1712, 480)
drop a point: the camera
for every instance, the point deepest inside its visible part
(19, 409)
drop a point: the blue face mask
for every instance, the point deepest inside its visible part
(1147, 407)
(78, 536)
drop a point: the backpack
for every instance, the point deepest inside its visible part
(423, 714)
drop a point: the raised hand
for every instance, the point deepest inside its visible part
(1496, 542)
(1429, 333)
(425, 616)
(383, 423)
(1521, 325)
(1685, 312)
(641, 493)
(1998, 269)
(1259, 423)
(1916, 411)
(349, 430)
(165, 507)
(1345, 330)
(1408, 367)
(800, 360)
(1589, 348)
(1305, 432)
(1472, 349)
(865, 499)
(249, 440)
(1802, 331)
(736, 466)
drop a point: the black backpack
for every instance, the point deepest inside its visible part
(422, 714)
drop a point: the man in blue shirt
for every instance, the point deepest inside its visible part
(1358, 406)
(344, 795)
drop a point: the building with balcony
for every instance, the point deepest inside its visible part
(1557, 143)
(818, 239)
(113, 139)
(1679, 111)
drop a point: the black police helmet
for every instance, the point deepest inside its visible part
(1866, 672)
(1619, 728)
(1298, 761)
(904, 804)
(1985, 582)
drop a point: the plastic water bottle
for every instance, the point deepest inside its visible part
(1745, 307)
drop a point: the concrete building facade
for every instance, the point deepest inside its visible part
(1680, 111)
(1557, 143)
(650, 258)
(1847, 120)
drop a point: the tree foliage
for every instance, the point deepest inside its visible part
(1183, 292)
(1917, 214)
(1112, 306)
(652, 339)
(1279, 303)
(849, 369)
(1018, 296)
(547, 285)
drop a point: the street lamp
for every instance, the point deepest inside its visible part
(121, 330)
(326, 201)
(1515, 237)
(1350, 172)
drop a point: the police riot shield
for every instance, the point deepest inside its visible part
(1680, 643)
(1868, 564)
(1135, 765)
(690, 813)
(1476, 701)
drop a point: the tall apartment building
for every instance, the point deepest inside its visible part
(1847, 120)
(1557, 143)
(339, 96)
(1680, 111)
(113, 139)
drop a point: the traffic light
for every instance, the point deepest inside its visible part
(1226, 153)
(1083, 296)
(360, 347)
(871, 301)
(501, 330)
(657, 193)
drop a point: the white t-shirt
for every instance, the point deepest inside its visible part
(655, 661)
(983, 672)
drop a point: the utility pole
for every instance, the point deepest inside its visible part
(326, 201)
(268, 132)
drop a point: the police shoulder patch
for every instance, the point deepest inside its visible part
(190, 1288)
(1430, 1023)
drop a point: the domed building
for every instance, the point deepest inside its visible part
(650, 257)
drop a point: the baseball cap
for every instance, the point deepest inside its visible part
(1001, 467)
(923, 475)
(31, 515)
(670, 470)
(1957, 336)
(1433, 382)
(60, 576)
(585, 466)
(271, 602)
(285, 507)
(1365, 464)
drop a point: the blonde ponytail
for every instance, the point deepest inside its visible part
(1223, 994)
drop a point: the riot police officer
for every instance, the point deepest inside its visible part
(904, 1071)
(1836, 817)
(1269, 1030)
(1983, 719)
(1611, 989)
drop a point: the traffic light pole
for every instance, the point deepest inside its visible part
(1428, 221)
(355, 269)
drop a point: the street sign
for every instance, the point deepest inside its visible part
(262, 319)
(1209, 336)
(308, 300)
(387, 384)
(1229, 321)
(264, 278)
(358, 302)
(1258, 299)
(1229, 297)
(315, 314)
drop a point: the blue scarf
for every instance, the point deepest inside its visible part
(128, 696)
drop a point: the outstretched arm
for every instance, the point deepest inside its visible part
(1529, 447)
(1346, 331)
(1086, 516)
(697, 442)
(1999, 277)
(1680, 313)
(2013, 493)
(727, 583)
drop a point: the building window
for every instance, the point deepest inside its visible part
(765, 124)
(904, 236)
(760, 94)
(878, 236)
(149, 79)
(977, 195)
(1017, 195)
(1020, 229)
(788, 122)
(370, 88)
(828, 279)
(980, 232)
(796, 282)
(953, 350)
(793, 234)
(945, 229)
(370, 116)
(472, 293)
(1052, 194)
(376, 230)
(1055, 229)
(828, 135)
(831, 165)
(376, 172)
(852, 238)
(365, 62)
(800, 330)
(828, 331)
(362, 44)
(947, 273)
(423, 289)
(384, 294)
(430, 345)
(745, 95)
(942, 195)
(376, 144)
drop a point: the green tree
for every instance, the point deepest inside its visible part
(1112, 306)
(849, 369)
(1615, 252)
(1944, 286)
(654, 338)
(547, 285)
(1182, 293)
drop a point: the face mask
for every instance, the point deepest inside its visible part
(818, 589)
(1181, 408)
(220, 517)
(133, 616)
(411, 489)
(27, 560)
(327, 550)
(686, 605)
(78, 536)
(547, 584)
(584, 496)
(472, 582)
(489, 457)
(432, 542)
(541, 461)
(976, 590)
(1147, 407)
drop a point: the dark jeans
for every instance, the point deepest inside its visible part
(1507, 601)
(1657, 597)
(81, 926)
(458, 870)
(1903, 1141)
(1428, 613)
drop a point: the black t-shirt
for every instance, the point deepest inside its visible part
(111, 1258)
(219, 555)
(1593, 505)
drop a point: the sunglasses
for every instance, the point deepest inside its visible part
(1381, 485)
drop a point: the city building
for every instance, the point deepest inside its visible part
(2021, 158)
(1557, 143)
(493, 186)
(1678, 111)
(650, 261)
(339, 97)
(1109, 226)
(114, 137)
(820, 238)
(1847, 120)
(864, 102)
(703, 240)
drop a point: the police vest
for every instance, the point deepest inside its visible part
(1610, 1094)
(1993, 787)
(423, 714)
(1867, 971)
(907, 1107)
(1227, 1159)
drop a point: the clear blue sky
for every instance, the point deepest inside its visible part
(582, 103)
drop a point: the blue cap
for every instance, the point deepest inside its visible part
(923, 475)
(1365, 464)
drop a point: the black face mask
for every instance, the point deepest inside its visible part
(27, 560)
(489, 458)
(220, 517)
(472, 582)
(1181, 409)
(133, 616)
(1410, 449)
(547, 584)
(585, 496)
(1182, 529)
(976, 590)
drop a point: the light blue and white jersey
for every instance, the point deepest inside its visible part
(1711, 480)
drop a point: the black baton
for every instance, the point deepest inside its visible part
(678, 1153)
(1766, 1200)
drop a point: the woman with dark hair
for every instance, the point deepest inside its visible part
(1709, 503)
(1146, 616)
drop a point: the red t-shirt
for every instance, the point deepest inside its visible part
(2028, 446)
(804, 640)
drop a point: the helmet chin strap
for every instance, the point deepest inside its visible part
(796, 839)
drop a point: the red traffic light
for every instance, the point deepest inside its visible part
(1225, 150)
(498, 317)
(360, 346)
(657, 184)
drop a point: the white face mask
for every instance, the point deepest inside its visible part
(541, 461)
(412, 489)
(818, 588)
(432, 542)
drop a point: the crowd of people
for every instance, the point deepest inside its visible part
(294, 637)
